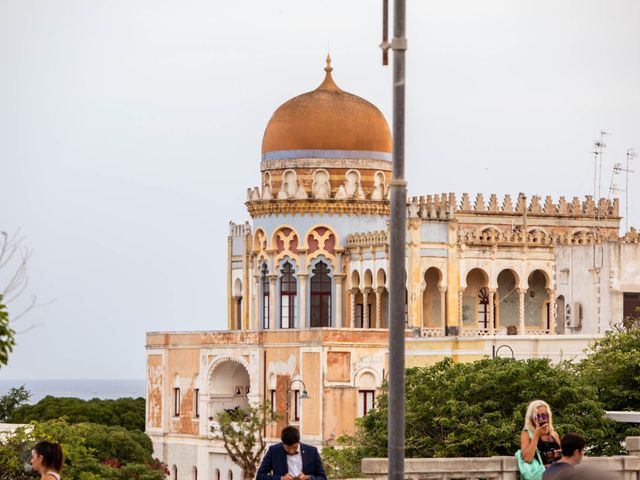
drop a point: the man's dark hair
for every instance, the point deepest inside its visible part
(572, 442)
(290, 435)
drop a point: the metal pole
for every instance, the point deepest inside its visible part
(397, 247)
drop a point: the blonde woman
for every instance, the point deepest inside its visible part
(538, 433)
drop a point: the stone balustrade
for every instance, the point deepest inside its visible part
(623, 467)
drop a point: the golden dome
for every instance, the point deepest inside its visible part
(326, 118)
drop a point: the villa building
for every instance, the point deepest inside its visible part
(527, 276)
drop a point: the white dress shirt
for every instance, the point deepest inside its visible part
(294, 463)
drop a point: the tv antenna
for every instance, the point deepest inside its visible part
(631, 155)
(599, 153)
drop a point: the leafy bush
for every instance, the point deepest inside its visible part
(124, 412)
(91, 451)
(477, 409)
(613, 368)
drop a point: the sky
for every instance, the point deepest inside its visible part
(130, 131)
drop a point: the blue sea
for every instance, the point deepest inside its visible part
(85, 389)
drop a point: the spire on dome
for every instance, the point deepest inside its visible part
(328, 68)
(328, 83)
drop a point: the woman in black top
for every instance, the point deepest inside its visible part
(538, 433)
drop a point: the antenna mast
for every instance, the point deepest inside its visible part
(600, 146)
(631, 154)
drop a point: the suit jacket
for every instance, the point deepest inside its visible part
(274, 463)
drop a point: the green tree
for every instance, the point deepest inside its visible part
(12, 400)
(477, 410)
(7, 335)
(343, 459)
(14, 259)
(125, 412)
(91, 451)
(613, 368)
(241, 431)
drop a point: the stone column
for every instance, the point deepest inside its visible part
(352, 298)
(257, 318)
(443, 308)
(379, 292)
(552, 311)
(339, 277)
(302, 303)
(460, 310)
(272, 302)
(491, 310)
(365, 308)
(521, 293)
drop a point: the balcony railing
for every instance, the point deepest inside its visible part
(434, 332)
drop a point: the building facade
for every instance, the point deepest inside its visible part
(308, 290)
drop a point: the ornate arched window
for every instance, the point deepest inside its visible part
(483, 309)
(321, 296)
(264, 282)
(288, 292)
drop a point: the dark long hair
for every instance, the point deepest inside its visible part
(51, 454)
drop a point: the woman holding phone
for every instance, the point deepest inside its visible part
(538, 433)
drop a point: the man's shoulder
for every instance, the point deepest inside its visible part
(308, 448)
(555, 470)
(276, 447)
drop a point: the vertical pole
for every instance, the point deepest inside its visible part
(385, 31)
(397, 254)
(521, 293)
(626, 193)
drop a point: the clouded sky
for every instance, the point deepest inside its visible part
(129, 132)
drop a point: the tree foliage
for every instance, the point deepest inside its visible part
(477, 409)
(12, 400)
(14, 278)
(343, 459)
(125, 412)
(242, 431)
(91, 451)
(613, 368)
(7, 335)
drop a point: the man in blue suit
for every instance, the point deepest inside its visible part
(291, 460)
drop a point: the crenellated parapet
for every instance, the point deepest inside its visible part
(239, 229)
(433, 207)
(446, 205)
(631, 236)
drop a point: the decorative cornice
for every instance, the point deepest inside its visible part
(536, 237)
(326, 154)
(367, 239)
(262, 208)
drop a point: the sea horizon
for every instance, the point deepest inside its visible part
(84, 388)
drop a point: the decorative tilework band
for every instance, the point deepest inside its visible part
(292, 154)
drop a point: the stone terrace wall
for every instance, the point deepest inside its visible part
(500, 468)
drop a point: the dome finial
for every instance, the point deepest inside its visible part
(328, 68)
(328, 83)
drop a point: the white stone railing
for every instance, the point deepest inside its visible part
(432, 332)
(621, 467)
(481, 332)
(536, 331)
